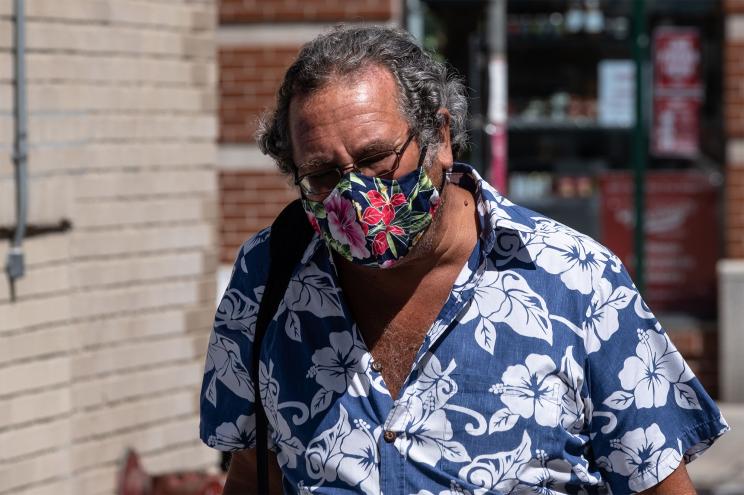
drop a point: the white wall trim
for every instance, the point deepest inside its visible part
(735, 27)
(223, 279)
(730, 337)
(243, 157)
(735, 152)
(274, 34)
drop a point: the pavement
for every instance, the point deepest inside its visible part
(720, 470)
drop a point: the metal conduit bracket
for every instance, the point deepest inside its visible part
(15, 262)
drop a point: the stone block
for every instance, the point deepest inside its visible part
(45, 281)
(99, 303)
(36, 469)
(63, 486)
(121, 213)
(6, 77)
(38, 343)
(100, 274)
(137, 325)
(131, 414)
(30, 313)
(33, 439)
(141, 239)
(95, 452)
(131, 357)
(21, 378)
(145, 183)
(35, 406)
(98, 481)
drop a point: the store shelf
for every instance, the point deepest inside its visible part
(543, 124)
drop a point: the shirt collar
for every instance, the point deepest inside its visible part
(495, 212)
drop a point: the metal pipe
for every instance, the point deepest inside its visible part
(497, 93)
(415, 20)
(15, 264)
(640, 140)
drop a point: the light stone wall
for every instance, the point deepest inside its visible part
(103, 348)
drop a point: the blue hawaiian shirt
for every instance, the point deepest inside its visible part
(544, 373)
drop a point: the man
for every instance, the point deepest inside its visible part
(435, 338)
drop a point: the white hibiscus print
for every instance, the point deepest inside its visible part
(224, 357)
(234, 436)
(429, 434)
(360, 461)
(454, 489)
(349, 454)
(542, 476)
(533, 389)
(505, 296)
(578, 260)
(343, 224)
(497, 472)
(601, 318)
(640, 455)
(238, 311)
(656, 365)
(340, 368)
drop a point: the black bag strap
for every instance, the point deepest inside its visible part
(290, 235)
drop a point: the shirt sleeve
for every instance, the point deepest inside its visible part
(648, 412)
(227, 419)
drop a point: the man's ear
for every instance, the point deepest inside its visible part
(444, 150)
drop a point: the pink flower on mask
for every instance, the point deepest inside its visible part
(343, 225)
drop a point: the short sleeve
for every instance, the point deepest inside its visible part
(227, 419)
(648, 411)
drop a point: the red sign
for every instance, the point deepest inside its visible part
(677, 58)
(677, 92)
(681, 240)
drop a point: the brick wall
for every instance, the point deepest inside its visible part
(103, 348)
(734, 111)
(734, 83)
(233, 11)
(249, 78)
(249, 201)
(697, 341)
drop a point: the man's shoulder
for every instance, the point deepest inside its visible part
(582, 264)
(251, 266)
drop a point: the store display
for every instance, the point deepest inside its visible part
(678, 90)
(616, 93)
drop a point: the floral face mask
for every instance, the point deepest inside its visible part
(372, 221)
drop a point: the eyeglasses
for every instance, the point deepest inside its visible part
(318, 184)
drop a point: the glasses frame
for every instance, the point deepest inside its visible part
(340, 171)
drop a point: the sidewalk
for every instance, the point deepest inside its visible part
(720, 471)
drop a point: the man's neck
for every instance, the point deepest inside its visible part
(445, 247)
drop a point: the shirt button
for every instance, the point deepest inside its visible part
(377, 366)
(389, 436)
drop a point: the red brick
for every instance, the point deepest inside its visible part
(734, 6)
(249, 78)
(249, 201)
(236, 11)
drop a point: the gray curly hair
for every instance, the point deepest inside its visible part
(425, 85)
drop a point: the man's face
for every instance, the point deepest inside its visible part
(355, 117)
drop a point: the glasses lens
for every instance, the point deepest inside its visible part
(377, 164)
(321, 182)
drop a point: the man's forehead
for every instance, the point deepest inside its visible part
(361, 99)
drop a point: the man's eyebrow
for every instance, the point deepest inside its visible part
(314, 164)
(371, 147)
